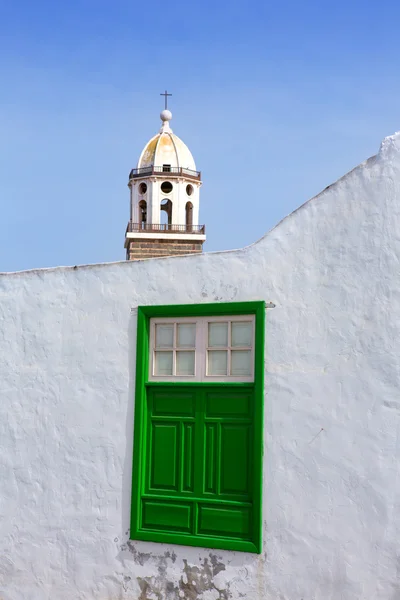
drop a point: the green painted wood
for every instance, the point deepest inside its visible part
(228, 403)
(171, 454)
(139, 438)
(206, 499)
(210, 455)
(224, 521)
(187, 457)
(199, 540)
(220, 460)
(166, 516)
(207, 309)
(164, 456)
(236, 471)
(196, 443)
(179, 403)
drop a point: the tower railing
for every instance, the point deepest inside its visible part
(165, 170)
(164, 228)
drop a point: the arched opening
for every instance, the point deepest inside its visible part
(142, 188)
(189, 215)
(142, 214)
(166, 213)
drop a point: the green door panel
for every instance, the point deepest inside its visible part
(164, 456)
(166, 516)
(228, 404)
(210, 455)
(199, 441)
(234, 459)
(187, 457)
(224, 521)
(173, 402)
(171, 454)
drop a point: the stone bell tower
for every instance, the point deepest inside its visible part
(164, 199)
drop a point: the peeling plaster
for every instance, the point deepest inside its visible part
(197, 582)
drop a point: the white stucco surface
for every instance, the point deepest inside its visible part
(331, 518)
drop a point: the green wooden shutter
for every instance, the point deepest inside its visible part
(198, 478)
(197, 462)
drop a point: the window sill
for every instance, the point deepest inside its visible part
(197, 541)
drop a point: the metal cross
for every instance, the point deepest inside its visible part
(165, 94)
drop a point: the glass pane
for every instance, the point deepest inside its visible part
(185, 363)
(217, 362)
(163, 363)
(164, 336)
(186, 335)
(217, 334)
(241, 363)
(242, 333)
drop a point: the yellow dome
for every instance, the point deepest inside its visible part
(166, 148)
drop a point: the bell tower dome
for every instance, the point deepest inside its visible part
(164, 199)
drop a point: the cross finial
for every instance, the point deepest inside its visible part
(165, 94)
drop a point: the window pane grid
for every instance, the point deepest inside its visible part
(212, 350)
(164, 345)
(207, 348)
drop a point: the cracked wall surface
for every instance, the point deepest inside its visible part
(331, 487)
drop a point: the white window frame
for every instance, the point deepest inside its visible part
(201, 348)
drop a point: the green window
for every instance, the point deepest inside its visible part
(197, 464)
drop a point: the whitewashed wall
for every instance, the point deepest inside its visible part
(332, 429)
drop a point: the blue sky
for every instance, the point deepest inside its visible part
(276, 100)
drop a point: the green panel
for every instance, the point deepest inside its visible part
(210, 467)
(228, 403)
(198, 540)
(173, 403)
(206, 309)
(164, 456)
(224, 521)
(234, 473)
(187, 457)
(166, 516)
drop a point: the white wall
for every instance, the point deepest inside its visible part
(332, 431)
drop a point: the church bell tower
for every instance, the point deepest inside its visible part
(164, 199)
